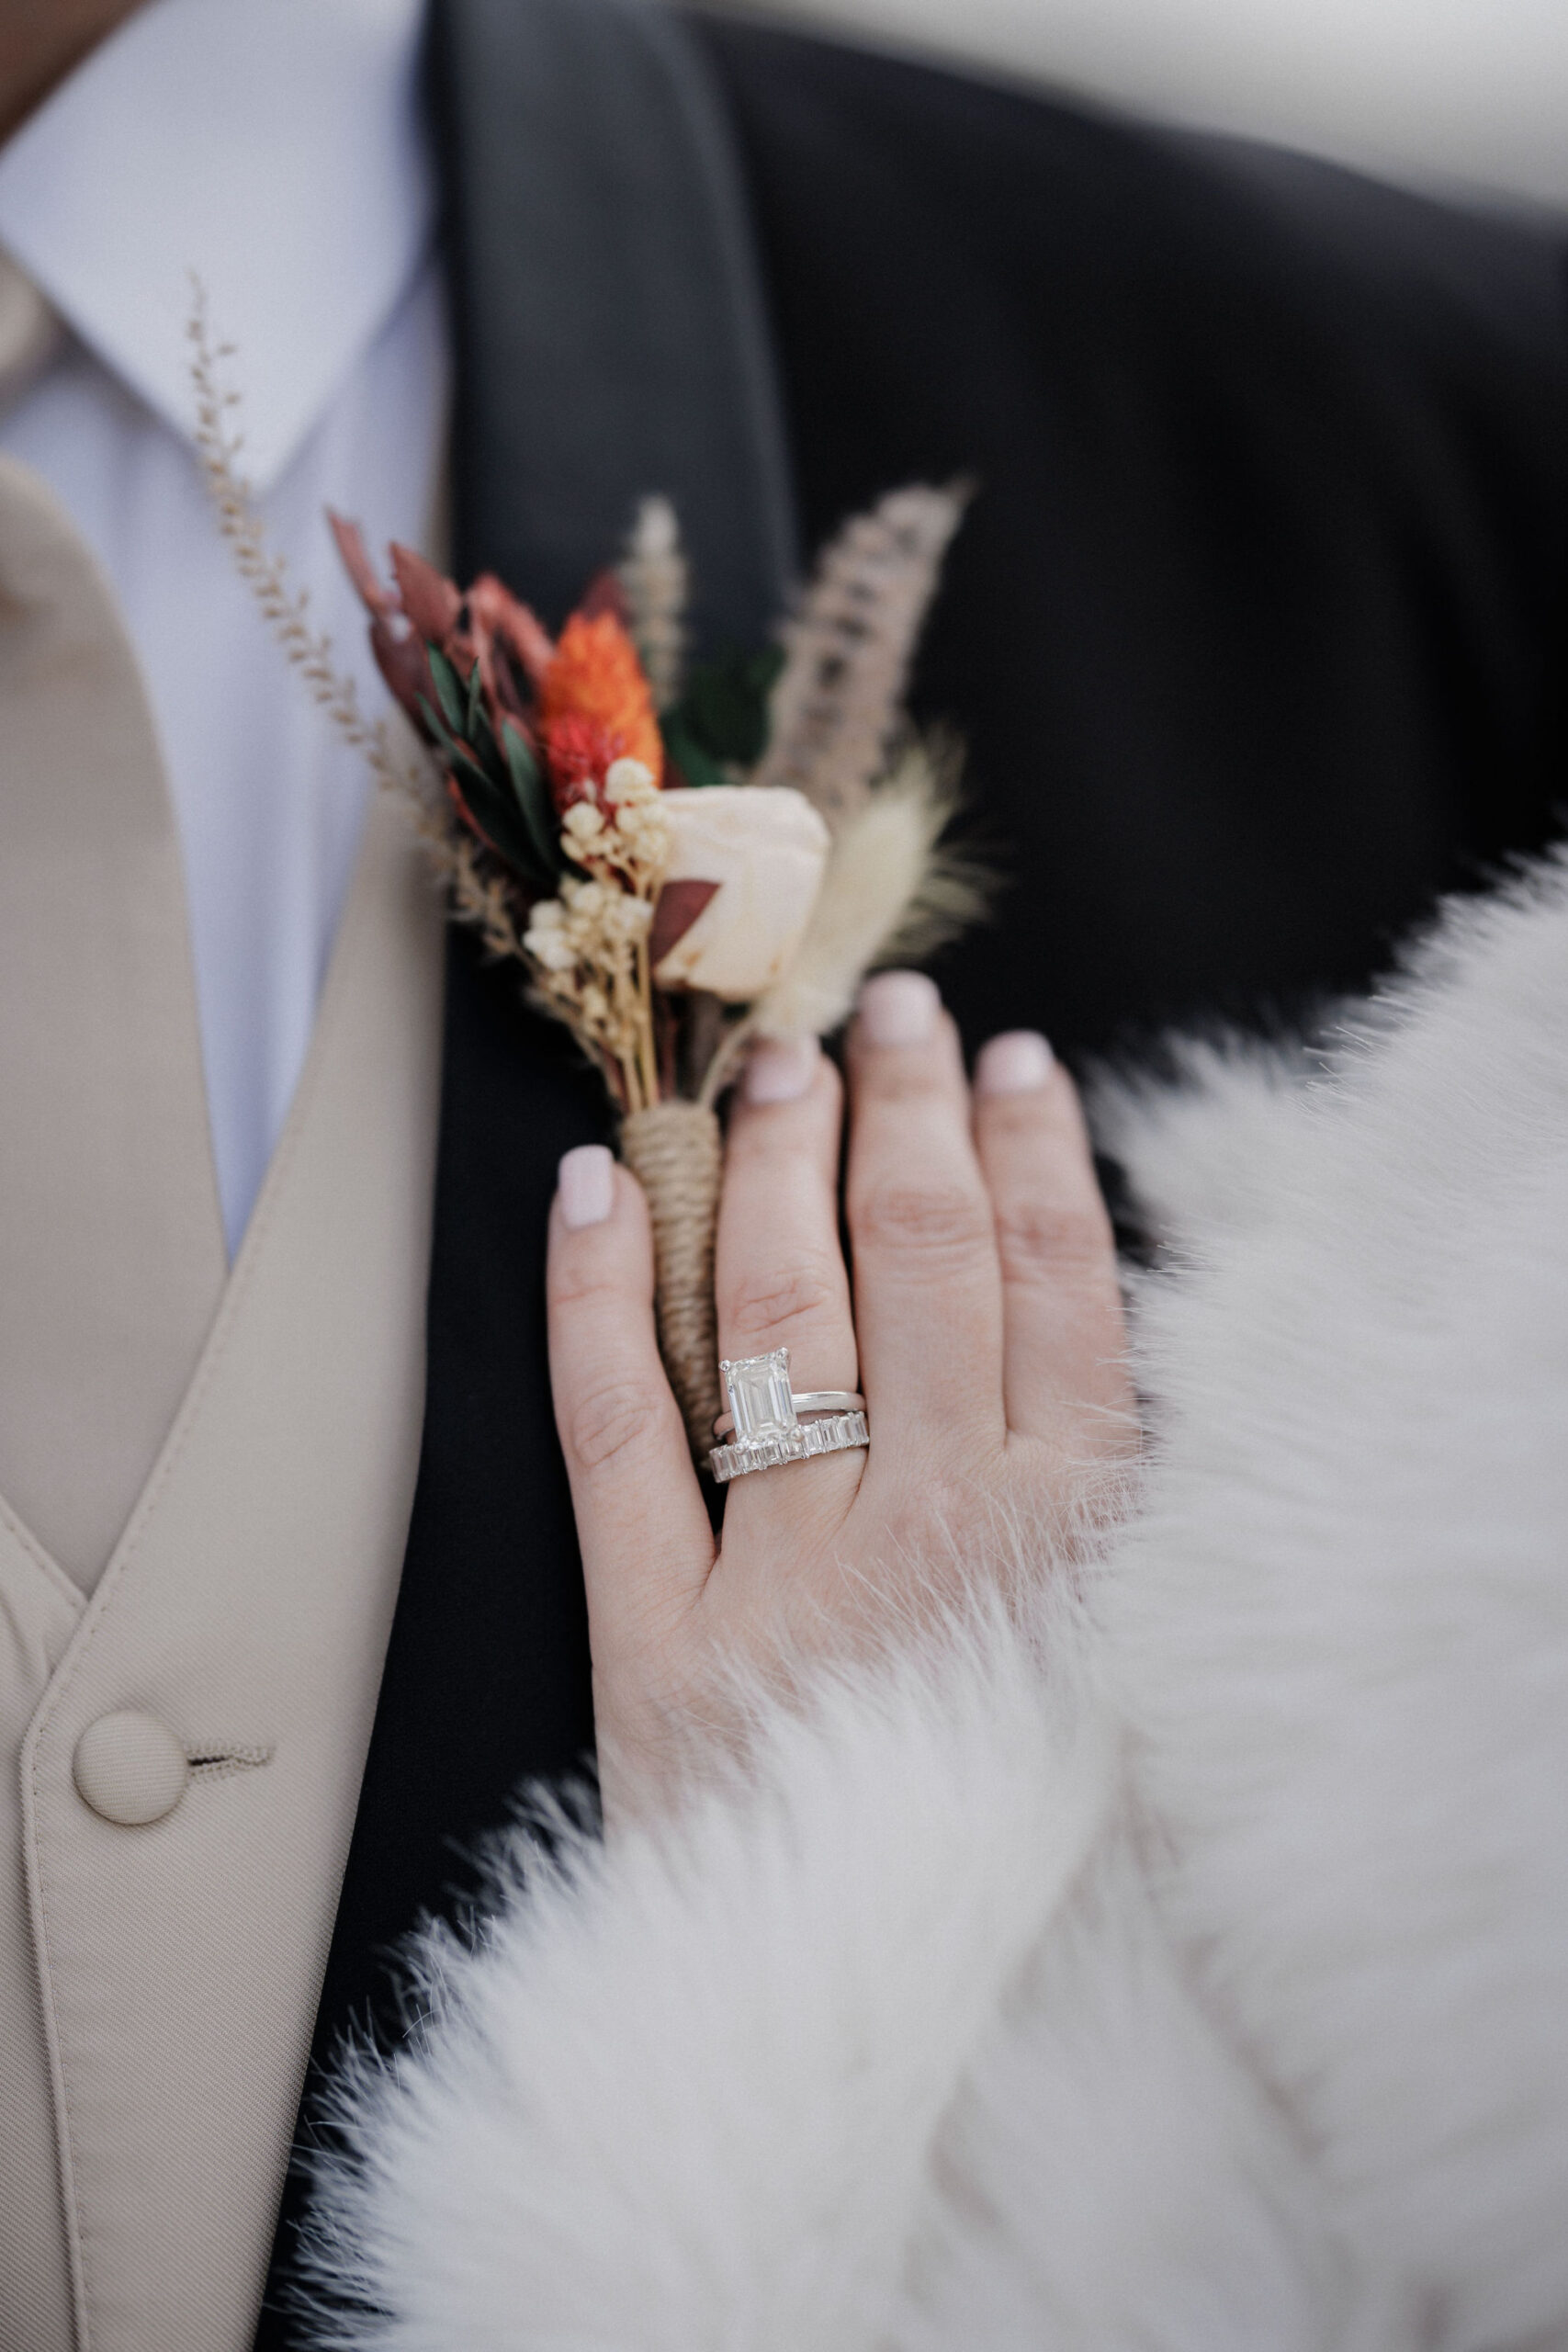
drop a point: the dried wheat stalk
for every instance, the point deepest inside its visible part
(654, 579)
(479, 890)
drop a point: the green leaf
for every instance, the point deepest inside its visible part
(724, 711)
(449, 693)
(497, 813)
(493, 808)
(532, 798)
(455, 750)
(476, 711)
(484, 747)
(698, 768)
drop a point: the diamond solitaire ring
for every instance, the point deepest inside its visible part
(765, 1417)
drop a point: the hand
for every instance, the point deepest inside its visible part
(986, 1335)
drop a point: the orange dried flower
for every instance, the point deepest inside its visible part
(596, 675)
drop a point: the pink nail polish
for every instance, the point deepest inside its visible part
(587, 1180)
(781, 1070)
(898, 1009)
(1015, 1063)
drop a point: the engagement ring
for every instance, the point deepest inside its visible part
(765, 1416)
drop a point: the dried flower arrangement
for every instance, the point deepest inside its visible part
(683, 857)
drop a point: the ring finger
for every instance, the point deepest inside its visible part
(780, 1275)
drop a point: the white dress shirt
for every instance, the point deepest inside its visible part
(277, 152)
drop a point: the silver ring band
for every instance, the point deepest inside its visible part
(807, 1400)
(839, 1434)
(765, 1413)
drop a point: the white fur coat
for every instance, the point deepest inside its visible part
(1186, 1967)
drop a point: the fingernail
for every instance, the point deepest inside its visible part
(781, 1070)
(1014, 1063)
(898, 1009)
(587, 1179)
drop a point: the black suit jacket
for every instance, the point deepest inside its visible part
(1254, 633)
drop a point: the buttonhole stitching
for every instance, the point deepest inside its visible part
(215, 1759)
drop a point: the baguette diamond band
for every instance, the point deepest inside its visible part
(836, 1435)
(764, 1415)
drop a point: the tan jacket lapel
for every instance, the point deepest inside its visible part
(246, 1608)
(39, 1611)
(111, 1241)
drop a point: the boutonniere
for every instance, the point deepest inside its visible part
(681, 857)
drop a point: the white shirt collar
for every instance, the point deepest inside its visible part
(278, 151)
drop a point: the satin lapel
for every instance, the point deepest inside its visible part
(612, 336)
(39, 1611)
(246, 1607)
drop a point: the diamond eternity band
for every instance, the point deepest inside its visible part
(838, 1434)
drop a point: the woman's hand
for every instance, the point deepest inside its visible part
(986, 1333)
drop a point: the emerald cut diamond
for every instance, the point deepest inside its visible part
(758, 1390)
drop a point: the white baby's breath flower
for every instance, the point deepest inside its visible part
(628, 780)
(551, 949)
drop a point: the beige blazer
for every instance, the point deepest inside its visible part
(207, 1477)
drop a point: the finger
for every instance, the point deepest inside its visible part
(1063, 1338)
(928, 1293)
(647, 1546)
(780, 1275)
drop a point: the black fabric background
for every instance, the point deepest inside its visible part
(1255, 630)
(1254, 633)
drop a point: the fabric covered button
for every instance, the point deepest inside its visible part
(131, 1768)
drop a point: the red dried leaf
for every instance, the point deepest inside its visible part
(494, 611)
(605, 594)
(403, 662)
(675, 910)
(357, 564)
(430, 599)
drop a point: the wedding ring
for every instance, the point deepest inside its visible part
(764, 1414)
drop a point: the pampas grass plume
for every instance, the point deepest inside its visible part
(890, 893)
(837, 704)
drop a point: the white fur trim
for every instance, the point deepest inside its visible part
(1341, 1630)
(943, 2030)
(685, 2095)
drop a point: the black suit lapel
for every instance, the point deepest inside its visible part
(609, 341)
(610, 329)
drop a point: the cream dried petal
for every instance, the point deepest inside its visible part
(766, 848)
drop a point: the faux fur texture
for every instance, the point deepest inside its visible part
(1189, 1969)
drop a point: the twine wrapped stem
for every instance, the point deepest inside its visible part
(674, 1151)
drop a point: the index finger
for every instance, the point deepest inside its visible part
(646, 1543)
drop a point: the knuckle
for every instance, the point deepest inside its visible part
(582, 1281)
(924, 1221)
(613, 1424)
(892, 1079)
(1028, 1117)
(782, 1300)
(932, 1528)
(1040, 1241)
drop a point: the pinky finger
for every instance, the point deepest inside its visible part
(1063, 1351)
